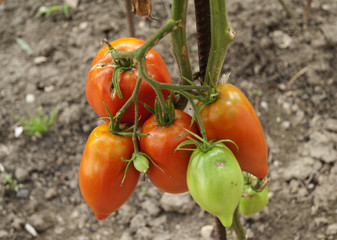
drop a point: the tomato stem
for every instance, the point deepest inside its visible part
(143, 74)
(179, 46)
(221, 230)
(134, 135)
(196, 114)
(221, 36)
(129, 101)
(236, 225)
(168, 27)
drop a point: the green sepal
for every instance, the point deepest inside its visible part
(150, 109)
(126, 169)
(167, 118)
(115, 81)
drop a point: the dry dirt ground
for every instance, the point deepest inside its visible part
(287, 69)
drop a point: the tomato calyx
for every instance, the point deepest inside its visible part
(120, 64)
(209, 97)
(163, 118)
(202, 143)
(256, 184)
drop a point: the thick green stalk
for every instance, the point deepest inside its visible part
(179, 46)
(221, 36)
(236, 225)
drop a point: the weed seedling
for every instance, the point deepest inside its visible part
(46, 11)
(11, 184)
(39, 123)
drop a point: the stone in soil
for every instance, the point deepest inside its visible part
(181, 203)
(21, 174)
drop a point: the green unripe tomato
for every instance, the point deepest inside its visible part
(254, 202)
(141, 163)
(215, 181)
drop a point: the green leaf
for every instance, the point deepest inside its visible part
(47, 11)
(25, 46)
(66, 9)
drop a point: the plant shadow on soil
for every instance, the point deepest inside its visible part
(286, 69)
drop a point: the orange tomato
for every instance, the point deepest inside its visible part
(102, 170)
(232, 117)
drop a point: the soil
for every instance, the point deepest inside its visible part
(286, 68)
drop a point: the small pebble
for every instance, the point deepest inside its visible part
(40, 59)
(51, 193)
(285, 124)
(83, 25)
(332, 229)
(264, 105)
(18, 131)
(206, 231)
(30, 98)
(21, 174)
(49, 89)
(29, 228)
(22, 193)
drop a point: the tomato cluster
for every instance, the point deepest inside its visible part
(173, 154)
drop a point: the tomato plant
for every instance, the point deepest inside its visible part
(100, 89)
(231, 116)
(128, 81)
(254, 201)
(169, 171)
(215, 181)
(102, 170)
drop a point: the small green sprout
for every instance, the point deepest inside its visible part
(144, 190)
(39, 123)
(257, 92)
(25, 46)
(11, 183)
(46, 11)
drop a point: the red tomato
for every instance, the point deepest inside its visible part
(232, 117)
(160, 145)
(102, 170)
(99, 86)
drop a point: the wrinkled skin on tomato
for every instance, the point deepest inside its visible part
(253, 202)
(102, 170)
(100, 90)
(168, 172)
(232, 117)
(215, 181)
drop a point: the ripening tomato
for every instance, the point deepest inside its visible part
(254, 201)
(102, 170)
(215, 181)
(160, 144)
(232, 117)
(99, 87)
